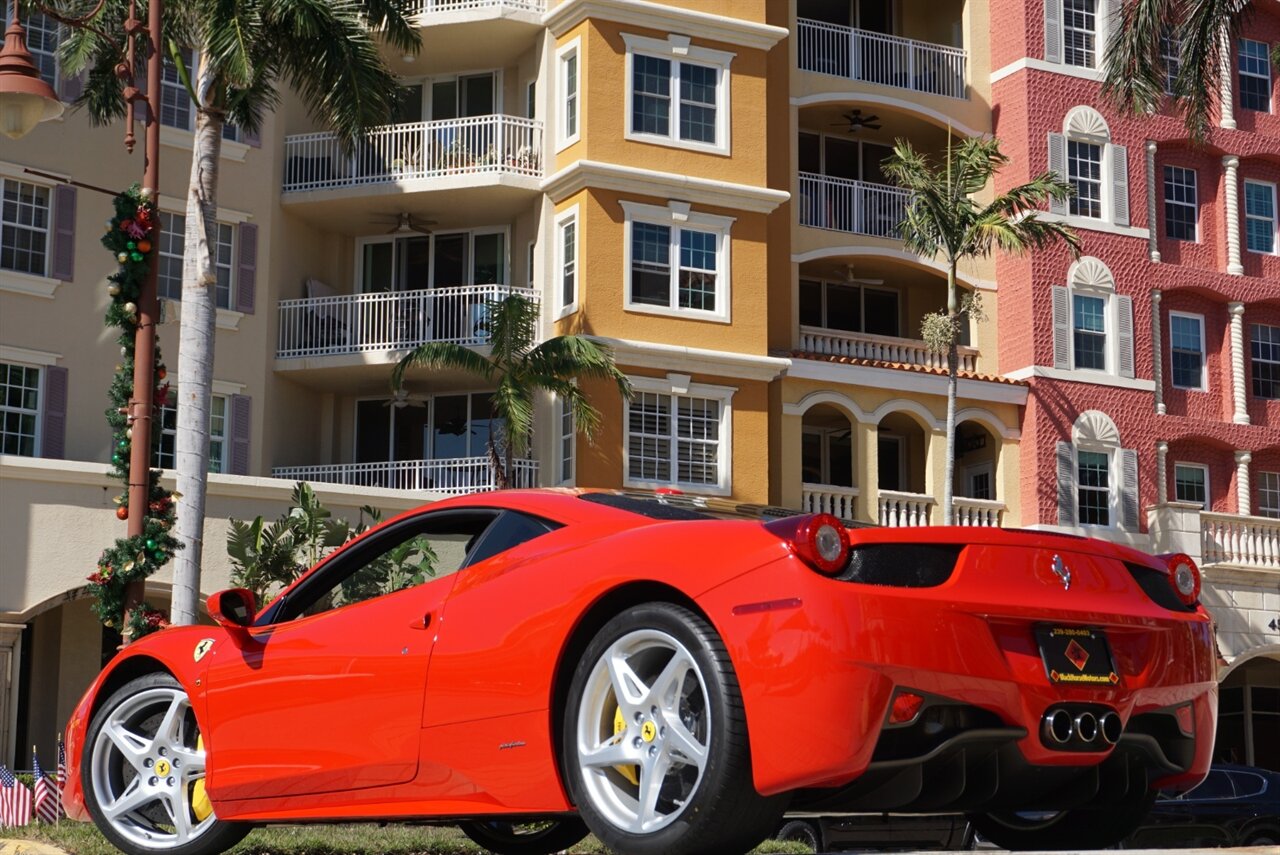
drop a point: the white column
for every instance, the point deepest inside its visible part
(1226, 93)
(1231, 164)
(1241, 415)
(1243, 501)
(1162, 476)
(1157, 351)
(1152, 245)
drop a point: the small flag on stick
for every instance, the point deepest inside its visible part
(15, 800)
(46, 798)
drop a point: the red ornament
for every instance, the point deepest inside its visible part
(144, 246)
(125, 224)
(161, 372)
(122, 513)
(145, 219)
(159, 506)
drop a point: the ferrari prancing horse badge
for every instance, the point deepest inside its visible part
(202, 648)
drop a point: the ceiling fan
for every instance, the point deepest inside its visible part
(850, 279)
(401, 399)
(856, 121)
(406, 223)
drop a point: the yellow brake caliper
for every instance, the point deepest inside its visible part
(200, 804)
(631, 773)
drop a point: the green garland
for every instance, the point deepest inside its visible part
(132, 559)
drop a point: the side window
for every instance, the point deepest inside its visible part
(1216, 786)
(1248, 784)
(511, 529)
(408, 554)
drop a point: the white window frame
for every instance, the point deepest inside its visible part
(974, 470)
(680, 386)
(566, 444)
(222, 439)
(1274, 221)
(1269, 488)
(571, 50)
(1171, 56)
(863, 288)
(677, 216)
(531, 99)
(1187, 465)
(473, 233)
(1203, 385)
(168, 234)
(1104, 203)
(38, 51)
(564, 220)
(677, 49)
(1266, 52)
(531, 269)
(38, 412)
(1254, 361)
(48, 229)
(1110, 334)
(1194, 206)
(1100, 33)
(1114, 486)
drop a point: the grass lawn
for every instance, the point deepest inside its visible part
(83, 839)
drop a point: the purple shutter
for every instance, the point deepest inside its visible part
(53, 417)
(251, 138)
(247, 268)
(140, 107)
(70, 88)
(64, 233)
(240, 424)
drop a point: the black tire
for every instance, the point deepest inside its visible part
(529, 838)
(801, 831)
(714, 806)
(139, 707)
(1094, 828)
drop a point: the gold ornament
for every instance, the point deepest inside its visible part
(131, 308)
(113, 290)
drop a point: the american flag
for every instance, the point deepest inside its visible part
(62, 775)
(46, 792)
(15, 800)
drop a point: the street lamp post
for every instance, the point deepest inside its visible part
(17, 91)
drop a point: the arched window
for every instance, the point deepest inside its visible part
(1097, 479)
(1092, 324)
(1084, 156)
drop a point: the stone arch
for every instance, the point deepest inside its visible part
(935, 117)
(838, 400)
(915, 410)
(989, 419)
(896, 255)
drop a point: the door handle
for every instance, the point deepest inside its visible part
(423, 623)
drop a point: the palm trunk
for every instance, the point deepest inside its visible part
(948, 491)
(195, 355)
(495, 463)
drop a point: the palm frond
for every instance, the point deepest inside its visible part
(440, 354)
(229, 32)
(569, 356)
(586, 418)
(1132, 65)
(513, 403)
(513, 328)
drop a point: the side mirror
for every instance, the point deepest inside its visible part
(234, 609)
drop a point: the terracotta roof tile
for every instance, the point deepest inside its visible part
(903, 366)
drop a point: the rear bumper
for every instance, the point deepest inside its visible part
(818, 678)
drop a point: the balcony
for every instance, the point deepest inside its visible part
(829, 499)
(488, 147)
(387, 321)
(445, 477)
(439, 7)
(869, 57)
(910, 510)
(881, 348)
(855, 207)
(1240, 541)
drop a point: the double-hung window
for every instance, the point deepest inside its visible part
(1191, 483)
(1269, 494)
(1093, 490)
(19, 408)
(1079, 32)
(678, 438)
(1180, 203)
(176, 109)
(568, 83)
(677, 94)
(567, 260)
(1084, 174)
(1186, 341)
(1260, 216)
(1264, 348)
(1089, 326)
(172, 241)
(678, 264)
(166, 454)
(43, 36)
(24, 227)
(1254, 65)
(568, 434)
(1171, 55)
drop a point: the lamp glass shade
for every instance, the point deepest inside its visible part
(22, 111)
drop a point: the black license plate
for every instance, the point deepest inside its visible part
(1076, 655)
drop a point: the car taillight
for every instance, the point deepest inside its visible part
(1184, 577)
(820, 540)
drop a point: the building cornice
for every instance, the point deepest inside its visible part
(658, 16)
(694, 360)
(906, 381)
(665, 185)
(1096, 378)
(1030, 62)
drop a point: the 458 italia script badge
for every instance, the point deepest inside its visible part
(1062, 571)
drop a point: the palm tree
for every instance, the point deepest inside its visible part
(327, 52)
(520, 368)
(1204, 30)
(943, 218)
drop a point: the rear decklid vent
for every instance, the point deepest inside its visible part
(902, 565)
(1156, 585)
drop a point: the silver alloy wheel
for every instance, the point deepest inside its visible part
(144, 767)
(643, 731)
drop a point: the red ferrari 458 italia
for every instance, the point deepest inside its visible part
(669, 673)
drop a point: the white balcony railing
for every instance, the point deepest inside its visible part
(479, 144)
(1240, 540)
(829, 499)
(857, 207)
(388, 320)
(904, 510)
(429, 7)
(881, 348)
(977, 512)
(877, 58)
(452, 477)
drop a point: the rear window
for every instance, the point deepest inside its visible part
(676, 506)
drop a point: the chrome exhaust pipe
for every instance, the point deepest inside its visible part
(1087, 727)
(1111, 728)
(1058, 726)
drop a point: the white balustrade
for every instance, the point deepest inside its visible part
(878, 58)
(977, 512)
(477, 144)
(857, 207)
(428, 7)
(829, 499)
(904, 510)
(388, 320)
(881, 348)
(451, 477)
(1240, 540)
